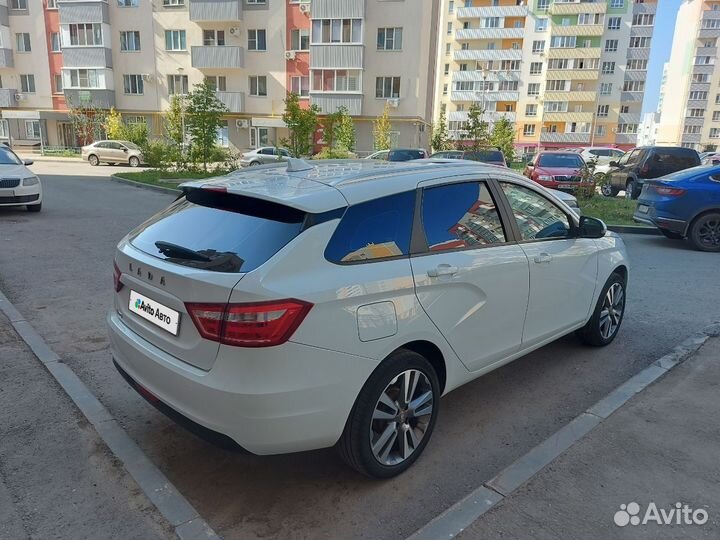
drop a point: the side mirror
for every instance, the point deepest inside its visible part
(614, 164)
(28, 162)
(125, 150)
(591, 227)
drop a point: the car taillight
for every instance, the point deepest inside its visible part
(116, 277)
(262, 324)
(669, 191)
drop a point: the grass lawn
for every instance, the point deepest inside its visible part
(158, 177)
(612, 210)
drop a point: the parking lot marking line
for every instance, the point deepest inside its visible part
(462, 514)
(171, 504)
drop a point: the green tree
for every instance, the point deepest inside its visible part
(477, 129)
(440, 139)
(173, 127)
(203, 119)
(137, 133)
(87, 121)
(345, 131)
(381, 129)
(114, 126)
(503, 136)
(302, 124)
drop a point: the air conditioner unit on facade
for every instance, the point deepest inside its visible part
(19, 97)
(241, 124)
(235, 31)
(393, 102)
(289, 55)
(305, 8)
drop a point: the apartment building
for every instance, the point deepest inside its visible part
(690, 113)
(565, 72)
(135, 54)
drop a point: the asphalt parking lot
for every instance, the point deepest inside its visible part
(56, 268)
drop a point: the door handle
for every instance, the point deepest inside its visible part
(543, 258)
(442, 270)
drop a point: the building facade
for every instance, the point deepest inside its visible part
(133, 55)
(690, 113)
(567, 73)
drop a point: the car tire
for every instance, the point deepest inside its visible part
(705, 232)
(382, 436)
(609, 191)
(670, 234)
(34, 207)
(134, 161)
(631, 190)
(605, 321)
(253, 163)
(93, 160)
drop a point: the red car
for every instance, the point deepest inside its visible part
(557, 170)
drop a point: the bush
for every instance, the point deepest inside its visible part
(334, 153)
(160, 154)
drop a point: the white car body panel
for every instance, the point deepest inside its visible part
(19, 172)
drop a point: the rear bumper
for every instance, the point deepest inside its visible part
(565, 186)
(271, 400)
(651, 217)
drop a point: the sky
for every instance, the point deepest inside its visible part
(660, 52)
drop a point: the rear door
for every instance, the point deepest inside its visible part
(563, 269)
(469, 277)
(619, 174)
(195, 252)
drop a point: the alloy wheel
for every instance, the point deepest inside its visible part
(606, 190)
(401, 417)
(612, 310)
(708, 232)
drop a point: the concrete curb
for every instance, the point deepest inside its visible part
(174, 507)
(463, 513)
(633, 229)
(142, 185)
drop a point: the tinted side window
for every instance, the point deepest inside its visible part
(266, 151)
(406, 155)
(460, 216)
(536, 216)
(375, 229)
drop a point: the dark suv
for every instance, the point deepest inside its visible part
(493, 156)
(645, 163)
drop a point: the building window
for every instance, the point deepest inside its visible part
(387, 87)
(84, 78)
(258, 85)
(128, 3)
(563, 42)
(389, 39)
(32, 129)
(173, 3)
(603, 111)
(541, 24)
(446, 70)
(543, 5)
(27, 84)
(447, 49)
(336, 31)
(451, 6)
(591, 19)
(300, 39)
(58, 87)
(529, 130)
(133, 85)
(257, 2)
(213, 38)
(175, 40)
(608, 68)
(555, 106)
(221, 134)
(300, 86)
(627, 128)
(714, 133)
(696, 113)
(624, 109)
(617, 3)
(55, 42)
(531, 109)
(533, 89)
(704, 60)
(256, 40)
(130, 41)
(641, 65)
(716, 116)
(85, 34)
(52, 4)
(600, 130)
(697, 95)
(639, 42)
(22, 42)
(449, 28)
(445, 89)
(538, 46)
(637, 86)
(643, 19)
(216, 82)
(336, 80)
(614, 23)
(18, 4)
(692, 130)
(558, 86)
(177, 84)
(611, 45)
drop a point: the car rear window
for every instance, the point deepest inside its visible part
(486, 156)
(218, 232)
(406, 155)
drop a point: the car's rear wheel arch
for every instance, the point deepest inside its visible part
(432, 354)
(692, 222)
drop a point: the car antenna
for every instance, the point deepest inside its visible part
(297, 165)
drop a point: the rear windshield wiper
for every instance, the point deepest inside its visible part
(169, 250)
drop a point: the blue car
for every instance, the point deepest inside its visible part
(685, 204)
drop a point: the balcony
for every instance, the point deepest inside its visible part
(706, 51)
(578, 30)
(100, 98)
(694, 121)
(466, 34)
(631, 97)
(222, 57)
(703, 69)
(472, 95)
(575, 95)
(78, 11)
(699, 87)
(487, 54)
(691, 137)
(336, 56)
(626, 138)
(711, 14)
(338, 9)
(641, 31)
(635, 53)
(579, 52)
(329, 103)
(215, 10)
(234, 101)
(577, 8)
(82, 57)
(635, 75)
(490, 76)
(646, 7)
(565, 137)
(709, 33)
(573, 74)
(7, 98)
(629, 118)
(494, 11)
(489, 116)
(697, 103)
(586, 117)
(6, 58)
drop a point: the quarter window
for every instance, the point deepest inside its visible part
(460, 216)
(374, 230)
(537, 217)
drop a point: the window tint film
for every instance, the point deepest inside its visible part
(536, 216)
(460, 216)
(218, 232)
(375, 229)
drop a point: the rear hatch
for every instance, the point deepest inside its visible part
(195, 252)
